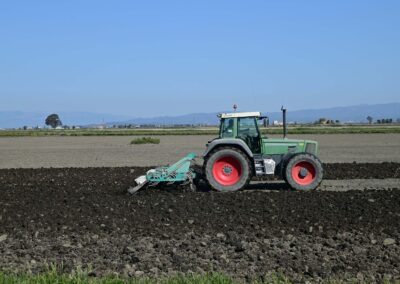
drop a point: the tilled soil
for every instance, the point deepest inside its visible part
(84, 218)
(361, 170)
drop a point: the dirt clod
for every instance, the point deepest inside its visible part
(389, 242)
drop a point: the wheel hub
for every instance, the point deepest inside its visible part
(303, 172)
(227, 170)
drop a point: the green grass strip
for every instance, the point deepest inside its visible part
(54, 277)
(196, 131)
(81, 277)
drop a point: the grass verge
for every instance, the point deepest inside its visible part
(54, 277)
(198, 131)
(82, 277)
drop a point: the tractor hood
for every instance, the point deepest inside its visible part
(284, 145)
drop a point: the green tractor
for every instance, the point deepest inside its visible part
(240, 153)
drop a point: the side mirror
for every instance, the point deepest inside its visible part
(263, 121)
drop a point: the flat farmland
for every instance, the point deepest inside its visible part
(110, 151)
(64, 202)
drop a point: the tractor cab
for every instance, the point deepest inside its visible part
(244, 126)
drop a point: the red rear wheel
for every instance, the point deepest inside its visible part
(227, 170)
(303, 173)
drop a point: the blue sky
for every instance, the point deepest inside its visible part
(147, 58)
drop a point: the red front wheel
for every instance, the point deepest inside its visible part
(304, 172)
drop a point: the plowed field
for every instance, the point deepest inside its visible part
(83, 217)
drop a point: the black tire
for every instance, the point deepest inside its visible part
(284, 176)
(239, 159)
(304, 172)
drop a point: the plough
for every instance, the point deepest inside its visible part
(180, 172)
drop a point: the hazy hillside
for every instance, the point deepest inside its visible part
(359, 113)
(351, 113)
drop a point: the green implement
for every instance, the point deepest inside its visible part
(179, 172)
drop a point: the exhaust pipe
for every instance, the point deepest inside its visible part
(284, 122)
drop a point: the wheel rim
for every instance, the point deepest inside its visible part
(303, 173)
(227, 170)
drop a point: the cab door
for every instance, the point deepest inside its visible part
(248, 131)
(227, 128)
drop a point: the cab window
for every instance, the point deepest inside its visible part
(248, 131)
(247, 127)
(227, 128)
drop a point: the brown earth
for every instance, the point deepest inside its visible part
(83, 217)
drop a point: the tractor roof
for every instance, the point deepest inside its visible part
(240, 114)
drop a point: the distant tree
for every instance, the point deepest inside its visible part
(337, 121)
(378, 121)
(53, 120)
(398, 120)
(370, 119)
(25, 127)
(390, 120)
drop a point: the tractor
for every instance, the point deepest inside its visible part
(240, 153)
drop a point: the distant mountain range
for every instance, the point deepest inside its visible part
(358, 113)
